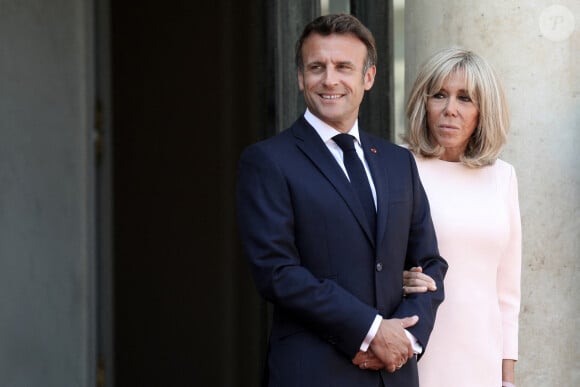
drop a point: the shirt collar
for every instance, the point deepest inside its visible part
(325, 131)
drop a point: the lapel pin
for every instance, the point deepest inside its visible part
(374, 150)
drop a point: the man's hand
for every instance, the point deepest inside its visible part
(390, 345)
(415, 281)
(368, 361)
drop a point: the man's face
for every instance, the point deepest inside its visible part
(333, 82)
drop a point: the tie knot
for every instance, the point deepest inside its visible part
(344, 141)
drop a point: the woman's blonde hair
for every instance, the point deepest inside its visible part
(483, 87)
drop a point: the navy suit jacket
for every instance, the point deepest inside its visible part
(314, 258)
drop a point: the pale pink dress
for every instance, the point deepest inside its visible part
(477, 220)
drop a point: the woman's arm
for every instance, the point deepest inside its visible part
(508, 370)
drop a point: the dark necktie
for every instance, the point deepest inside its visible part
(358, 177)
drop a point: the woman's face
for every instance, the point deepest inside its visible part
(452, 116)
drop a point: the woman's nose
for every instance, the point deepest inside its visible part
(451, 107)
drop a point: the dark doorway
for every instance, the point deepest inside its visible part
(191, 84)
(187, 96)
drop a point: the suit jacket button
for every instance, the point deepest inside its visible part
(379, 266)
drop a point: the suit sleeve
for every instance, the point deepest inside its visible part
(266, 225)
(422, 250)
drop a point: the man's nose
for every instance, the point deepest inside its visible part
(331, 77)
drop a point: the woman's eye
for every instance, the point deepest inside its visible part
(438, 96)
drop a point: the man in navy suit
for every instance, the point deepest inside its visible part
(333, 275)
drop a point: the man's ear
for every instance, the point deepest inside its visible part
(300, 76)
(370, 77)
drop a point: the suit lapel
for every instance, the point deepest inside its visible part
(373, 157)
(315, 149)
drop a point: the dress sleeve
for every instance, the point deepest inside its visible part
(509, 272)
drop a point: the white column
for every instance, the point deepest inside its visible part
(535, 47)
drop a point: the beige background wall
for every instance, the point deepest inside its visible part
(535, 46)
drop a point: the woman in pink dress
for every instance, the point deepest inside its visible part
(458, 124)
